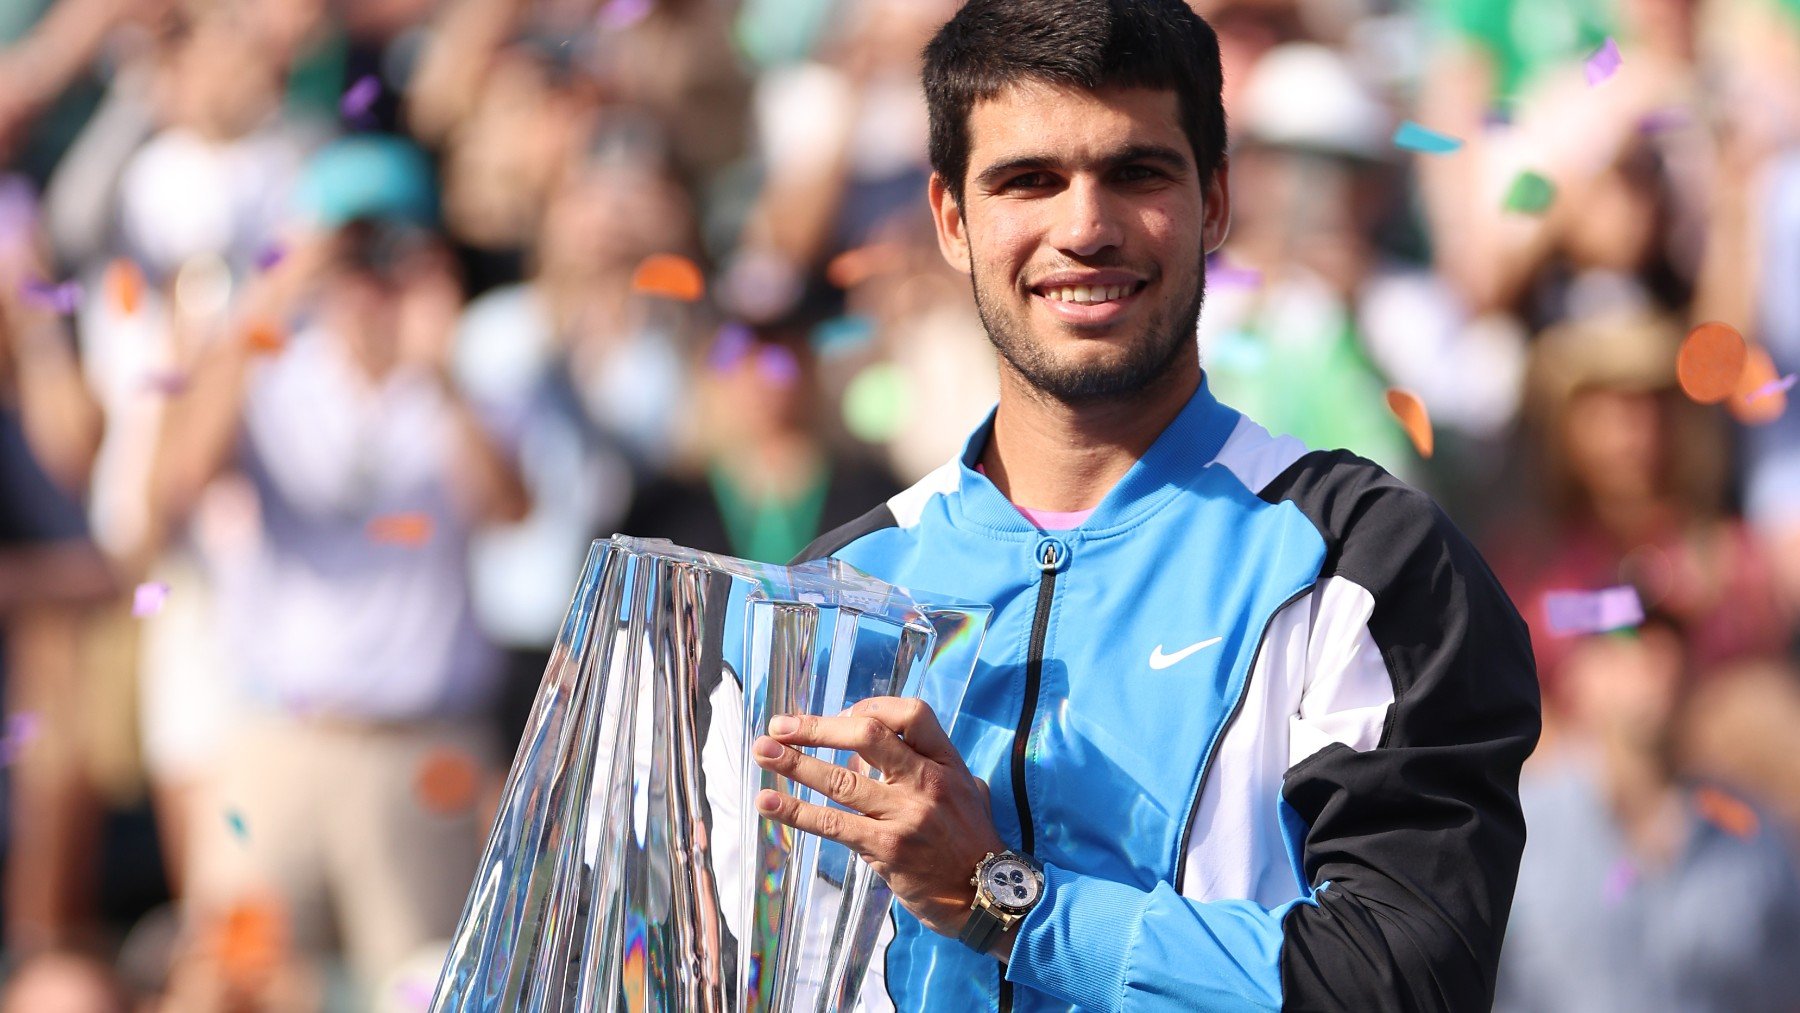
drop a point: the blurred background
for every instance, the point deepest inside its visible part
(331, 332)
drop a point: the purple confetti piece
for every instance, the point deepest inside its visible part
(778, 365)
(60, 299)
(622, 14)
(1619, 881)
(148, 599)
(729, 349)
(1222, 275)
(21, 730)
(18, 208)
(269, 256)
(360, 97)
(1774, 387)
(1660, 121)
(415, 993)
(1577, 612)
(1604, 63)
(167, 384)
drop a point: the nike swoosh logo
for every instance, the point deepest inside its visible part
(1159, 660)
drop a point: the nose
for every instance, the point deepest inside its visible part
(1087, 223)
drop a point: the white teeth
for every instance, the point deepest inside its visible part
(1088, 295)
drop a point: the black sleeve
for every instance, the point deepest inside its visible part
(1420, 837)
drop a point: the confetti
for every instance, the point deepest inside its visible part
(125, 285)
(844, 335)
(622, 14)
(60, 299)
(1774, 387)
(148, 599)
(1711, 362)
(1619, 881)
(730, 347)
(668, 276)
(1759, 375)
(853, 267)
(167, 384)
(414, 993)
(1222, 275)
(1659, 121)
(235, 820)
(360, 98)
(875, 403)
(264, 338)
(1579, 612)
(269, 256)
(1414, 137)
(446, 782)
(1603, 63)
(778, 365)
(1530, 194)
(250, 941)
(1728, 813)
(1413, 417)
(409, 530)
(21, 730)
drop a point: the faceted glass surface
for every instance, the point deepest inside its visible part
(627, 869)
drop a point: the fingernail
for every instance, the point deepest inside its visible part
(768, 801)
(768, 748)
(783, 725)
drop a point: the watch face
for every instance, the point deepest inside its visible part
(1011, 883)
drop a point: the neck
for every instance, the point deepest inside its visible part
(1641, 788)
(1046, 454)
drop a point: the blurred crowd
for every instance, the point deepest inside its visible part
(331, 333)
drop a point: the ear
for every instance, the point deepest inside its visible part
(952, 230)
(1216, 221)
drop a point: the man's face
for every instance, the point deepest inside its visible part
(1084, 227)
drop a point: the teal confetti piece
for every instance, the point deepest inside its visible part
(1413, 137)
(1530, 194)
(235, 820)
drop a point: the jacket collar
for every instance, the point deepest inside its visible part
(1190, 442)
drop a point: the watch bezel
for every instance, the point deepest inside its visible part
(987, 896)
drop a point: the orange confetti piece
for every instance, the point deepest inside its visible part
(1755, 402)
(1711, 362)
(447, 782)
(410, 529)
(853, 267)
(668, 276)
(1732, 815)
(1413, 417)
(250, 941)
(125, 284)
(264, 338)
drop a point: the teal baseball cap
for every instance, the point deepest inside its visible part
(368, 176)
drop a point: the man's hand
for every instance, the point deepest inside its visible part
(925, 824)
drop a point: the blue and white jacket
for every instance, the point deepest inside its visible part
(1260, 717)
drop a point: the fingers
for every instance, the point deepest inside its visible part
(839, 784)
(864, 734)
(849, 829)
(914, 721)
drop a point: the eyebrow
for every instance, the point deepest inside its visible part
(1033, 163)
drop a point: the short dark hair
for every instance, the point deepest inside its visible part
(992, 44)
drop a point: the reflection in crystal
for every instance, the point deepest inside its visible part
(627, 868)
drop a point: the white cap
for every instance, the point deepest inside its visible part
(1304, 95)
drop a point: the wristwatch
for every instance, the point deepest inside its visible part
(1007, 886)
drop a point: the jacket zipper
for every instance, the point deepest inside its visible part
(1034, 673)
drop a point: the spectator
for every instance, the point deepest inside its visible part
(1639, 891)
(351, 785)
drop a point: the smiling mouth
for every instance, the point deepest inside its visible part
(1089, 295)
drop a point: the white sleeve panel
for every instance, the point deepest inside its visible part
(1347, 687)
(1318, 679)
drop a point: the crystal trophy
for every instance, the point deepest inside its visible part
(627, 868)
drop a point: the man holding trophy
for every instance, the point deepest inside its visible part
(1246, 728)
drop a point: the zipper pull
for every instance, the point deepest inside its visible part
(1049, 555)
